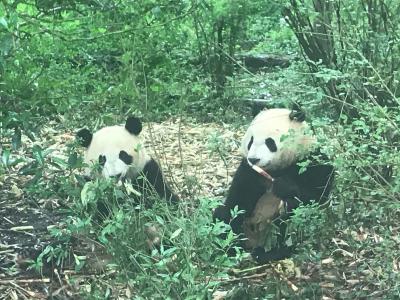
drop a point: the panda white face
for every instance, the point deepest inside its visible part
(116, 149)
(116, 164)
(113, 166)
(261, 152)
(119, 152)
(274, 140)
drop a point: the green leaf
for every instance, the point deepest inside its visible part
(5, 157)
(29, 169)
(88, 193)
(176, 233)
(38, 154)
(156, 11)
(79, 261)
(3, 22)
(131, 190)
(58, 163)
(6, 43)
(72, 160)
(15, 162)
(16, 140)
(159, 220)
(35, 179)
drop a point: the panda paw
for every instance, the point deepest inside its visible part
(222, 213)
(261, 256)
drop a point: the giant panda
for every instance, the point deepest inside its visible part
(268, 180)
(120, 152)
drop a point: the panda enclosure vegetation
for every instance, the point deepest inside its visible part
(193, 70)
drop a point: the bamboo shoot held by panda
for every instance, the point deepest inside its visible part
(261, 172)
(257, 226)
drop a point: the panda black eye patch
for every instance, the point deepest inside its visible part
(250, 143)
(125, 157)
(102, 160)
(271, 145)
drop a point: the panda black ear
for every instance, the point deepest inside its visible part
(133, 125)
(84, 137)
(297, 113)
(256, 107)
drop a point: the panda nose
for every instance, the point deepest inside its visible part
(253, 161)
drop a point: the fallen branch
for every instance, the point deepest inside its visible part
(24, 281)
(25, 291)
(22, 228)
(256, 268)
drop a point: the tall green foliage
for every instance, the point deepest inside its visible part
(351, 47)
(153, 56)
(352, 52)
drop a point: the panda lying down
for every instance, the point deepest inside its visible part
(120, 152)
(273, 145)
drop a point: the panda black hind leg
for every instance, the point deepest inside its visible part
(153, 176)
(279, 252)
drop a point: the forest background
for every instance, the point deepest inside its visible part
(65, 65)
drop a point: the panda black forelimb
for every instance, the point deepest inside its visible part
(315, 183)
(154, 177)
(285, 188)
(246, 188)
(312, 184)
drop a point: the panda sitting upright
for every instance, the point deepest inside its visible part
(275, 143)
(121, 154)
